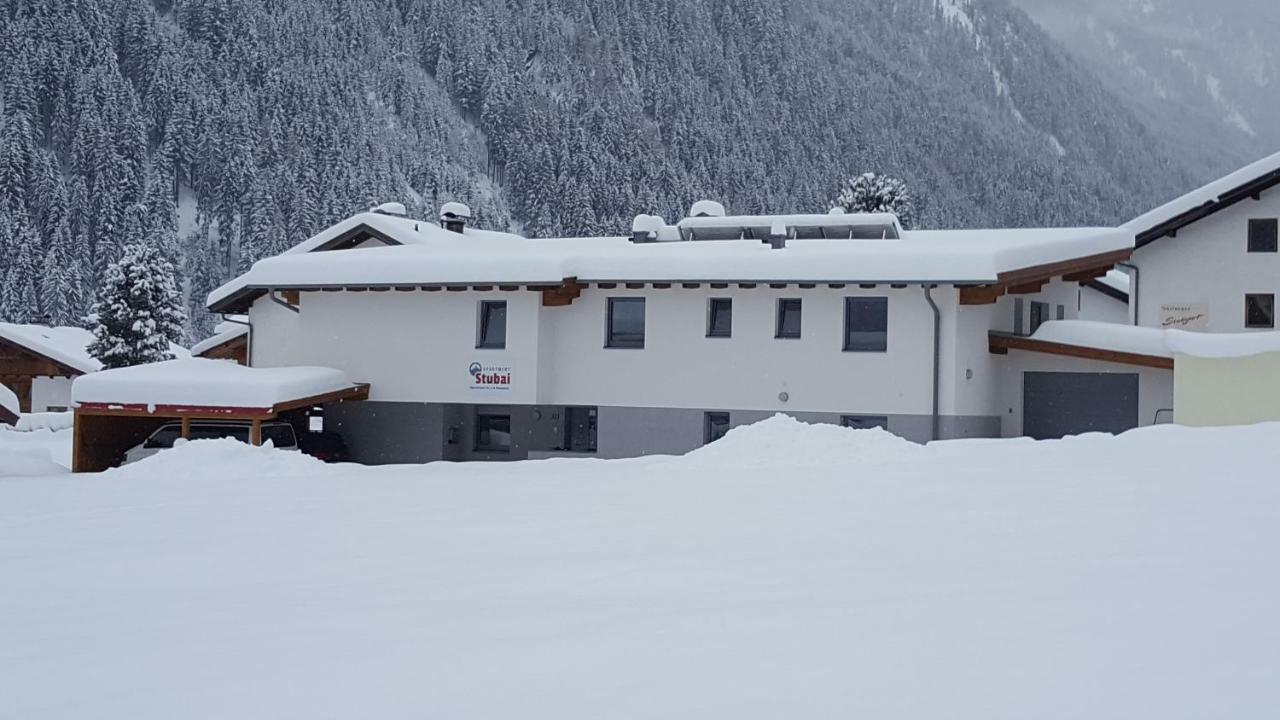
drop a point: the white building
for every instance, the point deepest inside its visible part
(482, 345)
(1208, 261)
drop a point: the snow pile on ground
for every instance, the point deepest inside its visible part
(8, 401)
(52, 421)
(1092, 577)
(215, 459)
(29, 453)
(784, 441)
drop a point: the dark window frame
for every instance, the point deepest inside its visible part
(611, 339)
(865, 422)
(478, 434)
(780, 319)
(709, 425)
(1270, 299)
(483, 341)
(849, 304)
(724, 305)
(1264, 235)
(1039, 315)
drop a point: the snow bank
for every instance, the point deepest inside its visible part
(52, 421)
(208, 383)
(784, 441)
(34, 452)
(221, 459)
(1223, 345)
(8, 401)
(1095, 577)
(19, 461)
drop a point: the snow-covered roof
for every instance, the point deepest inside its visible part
(1115, 337)
(1207, 196)
(399, 230)
(63, 345)
(1156, 342)
(206, 383)
(8, 402)
(225, 334)
(439, 257)
(1222, 345)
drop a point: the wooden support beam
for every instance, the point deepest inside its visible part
(1027, 288)
(836, 286)
(255, 433)
(807, 286)
(186, 428)
(662, 286)
(1085, 276)
(719, 286)
(899, 286)
(1001, 344)
(747, 286)
(778, 286)
(635, 286)
(292, 297)
(606, 286)
(508, 288)
(981, 294)
(868, 286)
(691, 286)
(564, 294)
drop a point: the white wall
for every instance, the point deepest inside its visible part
(1208, 263)
(1100, 307)
(49, 392)
(680, 367)
(411, 346)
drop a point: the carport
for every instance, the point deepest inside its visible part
(117, 409)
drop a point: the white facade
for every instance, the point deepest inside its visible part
(1197, 279)
(49, 394)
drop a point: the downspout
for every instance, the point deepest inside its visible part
(248, 352)
(1133, 287)
(937, 359)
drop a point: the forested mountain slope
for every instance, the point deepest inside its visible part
(229, 129)
(1206, 72)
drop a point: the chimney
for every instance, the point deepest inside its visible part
(707, 208)
(777, 235)
(645, 228)
(391, 208)
(454, 216)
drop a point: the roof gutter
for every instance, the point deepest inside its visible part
(1134, 286)
(248, 342)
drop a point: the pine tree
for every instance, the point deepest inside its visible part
(139, 312)
(872, 193)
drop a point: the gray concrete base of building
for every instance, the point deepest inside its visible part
(379, 433)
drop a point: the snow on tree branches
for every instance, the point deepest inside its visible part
(872, 193)
(139, 311)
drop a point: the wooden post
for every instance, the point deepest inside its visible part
(255, 433)
(186, 428)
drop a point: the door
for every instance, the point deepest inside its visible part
(1058, 404)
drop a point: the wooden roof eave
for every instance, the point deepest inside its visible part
(1001, 343)
(66, 370)
(1252, 189)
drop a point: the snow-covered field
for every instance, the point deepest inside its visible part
(786, 571)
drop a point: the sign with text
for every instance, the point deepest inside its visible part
(484, 376)
(1190, 316)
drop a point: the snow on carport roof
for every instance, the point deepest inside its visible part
(942, 256)
(1206, 195)
(206, 383)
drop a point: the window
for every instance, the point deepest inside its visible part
(580, 429)
(715, 425)
(280, 435)
(1260, 311)
(1039, 315)
(1062, 312)
(493, 433)
(1263, 235)
(866, 324)
(626, 323)
(788, 318)
(864, 422)
(720, 318)
(493, 325)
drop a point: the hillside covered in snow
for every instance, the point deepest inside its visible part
(784, 571)
(226, 130)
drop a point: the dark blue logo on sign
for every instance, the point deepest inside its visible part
(475, 368)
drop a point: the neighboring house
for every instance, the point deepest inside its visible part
(230, 341)
(1226, 379)
(38, 364)
(1210, 260)
(492, 346)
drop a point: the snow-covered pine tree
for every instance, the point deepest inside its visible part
(139, 311)
(872, 193)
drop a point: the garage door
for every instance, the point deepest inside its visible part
(1058, 404)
